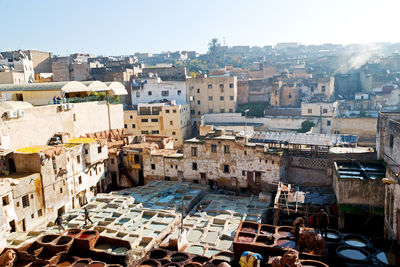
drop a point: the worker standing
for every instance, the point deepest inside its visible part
(58, 222)
(297, 223)
(323, 222)
(87, 216)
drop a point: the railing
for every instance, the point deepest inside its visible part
(111, 99)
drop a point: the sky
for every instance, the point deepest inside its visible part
(123, 27)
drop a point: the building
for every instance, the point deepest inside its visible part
(12, 77)
(388, 149)
(41, 61)
(20, 64)
(211, 95)
(172, 73)
(159, 119)
(285, 93)
(72, 68)
(318, 109)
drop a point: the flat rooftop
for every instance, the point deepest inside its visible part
(360, 170)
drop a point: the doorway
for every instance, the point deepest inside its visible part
(11, 165)
(23, 225)
(12, 226)
(203, 178)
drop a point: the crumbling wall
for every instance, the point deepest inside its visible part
(311, 171)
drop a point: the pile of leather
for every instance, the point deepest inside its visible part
(311, 242)
(290, 259)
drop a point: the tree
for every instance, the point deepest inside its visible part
(306, 126)
(214, 51)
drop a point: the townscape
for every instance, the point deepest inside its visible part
(275, 155)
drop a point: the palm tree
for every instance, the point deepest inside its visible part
(213, 49)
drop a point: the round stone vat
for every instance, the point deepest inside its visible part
(179, 257)
(150, 263)
(352, 254)
(286, 243)
(355, 240)
(390, 259)
(284, 230)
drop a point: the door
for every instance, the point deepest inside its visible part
(23, 225)
(203, 178)
(250, 179)
(141, 177)
(11, 165)
(12, 226)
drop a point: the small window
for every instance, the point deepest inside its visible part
(61, 190)
(231, 97)
(191, 87)
(243, 173)
(32, 194)
(137, 94)
(179, 92)
(112, 161)
(226, 168)
(17, 203)
(99, 149)
(90, 173)
(221, 86)
(245, 153)
(80, 179)
(172, 166)
(328, 123)
(133, 126)
(213, 148)
(171, 122)
(231, 85)
(194, 151)
(125, 126)
(198, 113)
(167, 111)
(145, 132)
(155, 132)
(32, 216)
(173, 133)
(130, 117)
(194, 166)
(164, 93)
(323, 88)
(391, 140)
(39, 213)
(174, 110)
(230, 110)
(6, 200)
(198, 102)
(210, 110)
(153, 166)
(25, 201)
(221, 98)
(154, 120)
(198, 90)
(226, 149)
(290, 95)
(86, 151)
(325, 110)
(192, 111)
(222, 110)
(149, 93)
(209, 86)
(210, 98)
(309, 111)
(144, 120)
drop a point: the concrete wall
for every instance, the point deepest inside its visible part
(308, 171)
(365, 128)
(40, 123)
(12, 77)
(242, 92)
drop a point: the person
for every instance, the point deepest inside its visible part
(297, 223)
(323, 222)
(54, 100)
(87, 216)
(58, 222)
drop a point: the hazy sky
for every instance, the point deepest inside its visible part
(112, 27)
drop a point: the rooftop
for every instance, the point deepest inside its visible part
(82, 140)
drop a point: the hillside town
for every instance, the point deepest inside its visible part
(283, 155)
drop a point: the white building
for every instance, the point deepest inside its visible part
(153, 89)
(20, 65)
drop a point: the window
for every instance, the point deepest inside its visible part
(80, 179)
(194, 151)
(198, 90)
(213, 148)
(153, 166)
(309, 111)
(221, 98)
(179, 92)
(130, 117)
(155, 132)
(325, 110)
(221, 86)
(210, 110)
(125, 126)
(145, 132)
(210, 98)
(194, 166)
(328, 123)
(154, 120)
(172, 166)
(61, 190)
(25, 201)
(245, 153)
(290, 95)
(144, 120)
(391, 139)
(149, 93)
(86, 151)
(226, 149)
(17, 203)
(173, 133)
(99, 149)
(167, 111)
(112, 161)
(226, 168)
(137, 94)
(32, 194)
(133, 126)
(192, 111)
(243, 173)
(231, 85)
(231, 97)
(6, 200)
(171, 122)
(174, 110)
(90, 173)
(191, 87)
(222, 110)
(39, 213)
(32, 215)
(198, 102)
(209, 86)
(323, 88)
(230, 110)
(198, 112)
(164, 93)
